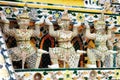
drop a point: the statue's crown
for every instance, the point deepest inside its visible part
(101, 20)
(65, 16)
(25, 14)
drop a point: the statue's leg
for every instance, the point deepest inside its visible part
(54, 58)
(31, 60)
(15, 54)
(54, 55)
(73, 60)
(100, 56)
(19, 55)
(92, 57)
(23, 63)
(37, 64)
(99, 63)
(109, 60)
(118, 59)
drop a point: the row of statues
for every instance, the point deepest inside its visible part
(65, 50)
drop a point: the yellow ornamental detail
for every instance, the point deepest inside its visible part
(67, 75)
(56, 15)
(94, 1)
(27, 74)
(8, 11)
(91, 44)
(117, 74)
(80, 17)
(48, 78)
(118, 20)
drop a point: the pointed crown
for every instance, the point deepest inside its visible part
(65, 16)
(100, 21)
(25, 14)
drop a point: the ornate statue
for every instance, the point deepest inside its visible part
(24, 47)
(101, 36)
(64, 50)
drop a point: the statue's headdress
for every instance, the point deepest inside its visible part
(64, 21)
(25, 14)
(65, 16)
(101, 21)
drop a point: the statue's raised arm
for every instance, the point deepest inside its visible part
(37, 27)
(110, 31)
(75, 29)
(88, 34)
(52, 32)
(6, 28)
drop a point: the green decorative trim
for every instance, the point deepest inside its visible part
(117, 25)
(12, 6)
(117, 33)
(115, 3)
(63, 69)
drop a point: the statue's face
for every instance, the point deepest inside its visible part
(100, 27)
(24, 23)
(64, 24)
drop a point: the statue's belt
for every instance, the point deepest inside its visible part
(22, 40)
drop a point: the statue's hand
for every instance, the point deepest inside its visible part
(86, 24)
(3, 17)
(47, 21)
(42, 51)
(41, 21)
(81, 51)
(78, 24)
